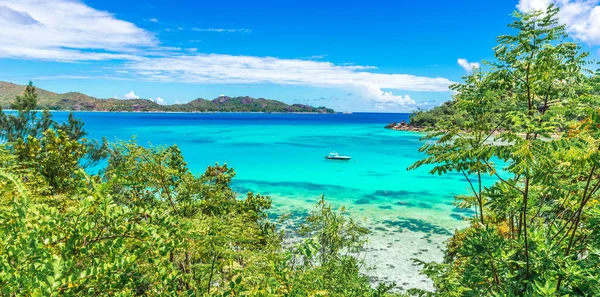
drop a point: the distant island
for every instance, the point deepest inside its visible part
(75, 101)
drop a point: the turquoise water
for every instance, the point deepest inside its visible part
(282, 155)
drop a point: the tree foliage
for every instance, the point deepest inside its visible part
(146, 226)
(531, 122)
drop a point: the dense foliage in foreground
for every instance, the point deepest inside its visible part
(146, 226)
(536, 110)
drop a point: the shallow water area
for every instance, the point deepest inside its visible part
(410, 213)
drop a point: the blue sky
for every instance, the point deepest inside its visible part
(386, 56)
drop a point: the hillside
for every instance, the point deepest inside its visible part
(78, 101)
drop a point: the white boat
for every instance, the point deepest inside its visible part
(336, 156)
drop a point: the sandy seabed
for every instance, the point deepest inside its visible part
(397, 236)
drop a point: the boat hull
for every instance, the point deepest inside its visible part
(338, 158)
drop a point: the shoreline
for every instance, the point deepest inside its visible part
(206, 112)
(407, 128)
(161, 111)
(403, 126)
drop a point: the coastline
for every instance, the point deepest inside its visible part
(403, 126)
(162, 111)
(418, 129)
(407, 220)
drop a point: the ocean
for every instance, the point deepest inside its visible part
(410, 213)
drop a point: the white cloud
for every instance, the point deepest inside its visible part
(131, 95)
(228, 69)
(222, 30)
(395, 101)
(66, 30)
(153, 20)
(530, 5)
(315, 57)
(468, 66)
(177, 102)
(374, 93)
(174, 29)
(17, 17)
(581, 17)
(160, 100)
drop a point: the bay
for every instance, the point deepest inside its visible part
(410, 213)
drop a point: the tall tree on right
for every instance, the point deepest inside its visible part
(529, 151)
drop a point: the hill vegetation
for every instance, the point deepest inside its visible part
(431, 118)
(74, 101)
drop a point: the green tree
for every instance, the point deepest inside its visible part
(149, 227)
(144, 225)
(437, 116)
(24, 123)
(55, 150)
(535, 112)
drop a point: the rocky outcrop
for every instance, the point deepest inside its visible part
(403, 126)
